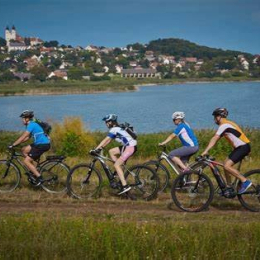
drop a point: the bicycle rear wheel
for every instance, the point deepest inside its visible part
(54, 174)
(143, 181)
(251, 198)
(84, 182)
(9, 176)
(192, 191)
(162, 173)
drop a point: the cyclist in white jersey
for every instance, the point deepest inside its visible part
(128, 147)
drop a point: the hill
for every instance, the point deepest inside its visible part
(184, 48)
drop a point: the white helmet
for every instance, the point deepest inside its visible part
(178, 115)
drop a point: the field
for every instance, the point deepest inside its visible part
(38, 225)
(116, 84)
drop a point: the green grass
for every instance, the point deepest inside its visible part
(38, 225)
(108, 236)
(75, 86)
(73, 140)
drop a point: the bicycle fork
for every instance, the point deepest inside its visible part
(7, 170)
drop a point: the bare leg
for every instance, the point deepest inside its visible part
(26, 150)
(119, 171)
(179, 162)
(28, 161)
(228, 167)
(113, 153)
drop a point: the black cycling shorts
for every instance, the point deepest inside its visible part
(239, 153)
(37, 150)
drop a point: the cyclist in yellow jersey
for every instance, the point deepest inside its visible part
(241, 144)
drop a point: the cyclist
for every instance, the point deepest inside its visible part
(127, 149)
(40, 144)
(189, 141)
(241, 144)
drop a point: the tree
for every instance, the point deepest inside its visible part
(51, 44)
(76, 73)
(2, 42)
(7, 76)
(39, 73)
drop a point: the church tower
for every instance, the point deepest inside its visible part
(10, 35)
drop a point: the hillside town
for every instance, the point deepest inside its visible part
(31, 58)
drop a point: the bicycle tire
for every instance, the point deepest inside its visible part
(162, 173)
(144, 182)
(11, 181)
(76, 185)
(251, 198)
(193, 195)
(56, 172)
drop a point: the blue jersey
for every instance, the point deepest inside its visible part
(37, 133)
(186, 135)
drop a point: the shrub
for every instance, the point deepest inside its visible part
(71, 138)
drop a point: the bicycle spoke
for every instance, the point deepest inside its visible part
(143, 181)
(10, 177)
(84, 182)
(55, 176)
(192, 192)
(251, 198)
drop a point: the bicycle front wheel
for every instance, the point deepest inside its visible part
(143, 181)
(251, 198)
(54, 174)
(84, 182)
(192, 191)
(9, 176)
(162, 173)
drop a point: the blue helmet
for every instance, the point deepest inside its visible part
(110, 118)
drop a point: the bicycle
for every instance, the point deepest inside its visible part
(85, 181)
(53, 170)
(194, 191)
(161, 170)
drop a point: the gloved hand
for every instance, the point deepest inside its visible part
(10, 147)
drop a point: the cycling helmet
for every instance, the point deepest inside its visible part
(110, 118)
(178, 115)
(27, 114)
(220, 112)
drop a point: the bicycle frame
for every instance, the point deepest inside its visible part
(163, 156)
(14, 159)
(213, 165)
(105, 167)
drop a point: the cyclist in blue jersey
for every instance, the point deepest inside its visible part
(188, 139)
(41, 143)
(127, 148)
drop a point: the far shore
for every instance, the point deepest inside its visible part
(44, 91)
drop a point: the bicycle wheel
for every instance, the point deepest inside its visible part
(192, 191)
(54, 174)
(84, 182)
(10, 176)
(162, 173)
(143, 181)
(251, 198)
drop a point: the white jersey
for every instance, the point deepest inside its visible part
(232, 133)
(121, 136)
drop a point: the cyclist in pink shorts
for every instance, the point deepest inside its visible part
(126, 150)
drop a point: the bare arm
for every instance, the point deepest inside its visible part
(212, 142)
(104, 143)
(23, 138)
(168, 139)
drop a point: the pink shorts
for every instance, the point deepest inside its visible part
(127, 151)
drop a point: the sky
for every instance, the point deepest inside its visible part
(225, 24)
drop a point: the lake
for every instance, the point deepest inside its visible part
(148, 109)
